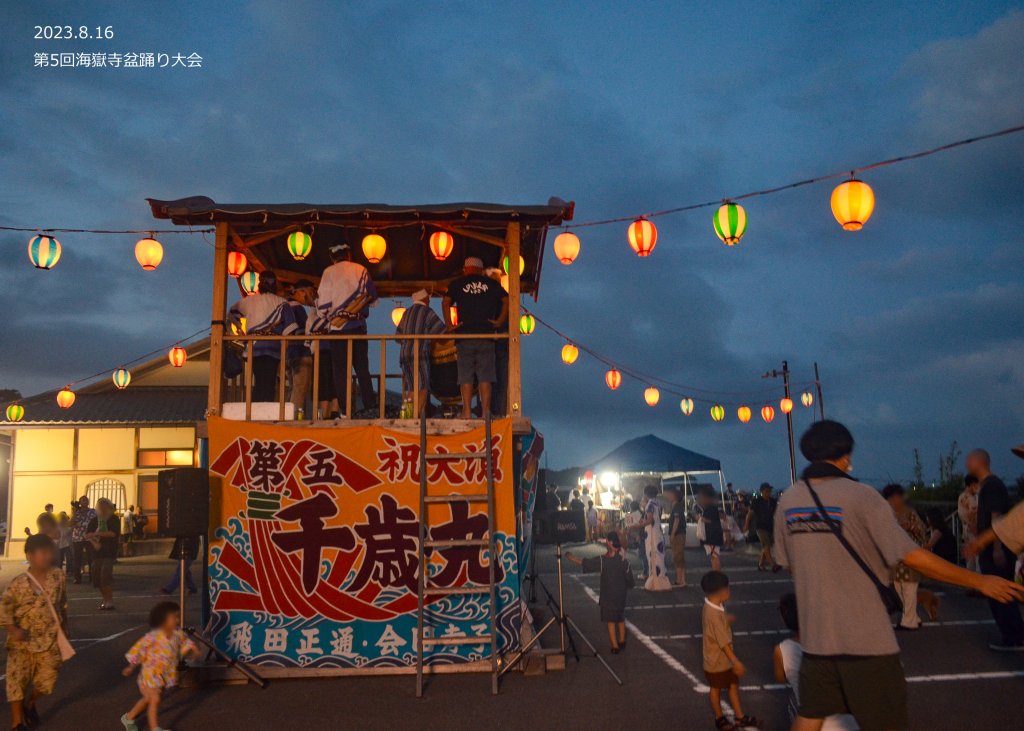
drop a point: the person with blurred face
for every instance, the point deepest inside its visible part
(995, 559)
(104, 534)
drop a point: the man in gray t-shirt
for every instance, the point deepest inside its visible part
(851, 662)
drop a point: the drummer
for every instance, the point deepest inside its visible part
(483, 306)
(419, 319)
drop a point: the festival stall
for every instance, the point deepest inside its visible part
(649, 459)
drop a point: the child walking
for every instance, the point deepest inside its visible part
(787, 659)
(158, 653)
(722, 668)
(616, 581)
(34, 612)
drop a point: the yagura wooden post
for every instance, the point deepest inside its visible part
(515, 384)
(218, 312)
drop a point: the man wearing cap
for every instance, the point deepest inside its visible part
(419, 319)
(344, 299)
(482, 305)
(265, 314)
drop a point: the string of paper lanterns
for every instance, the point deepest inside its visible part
(852, 203)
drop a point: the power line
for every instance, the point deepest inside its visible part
(809, 181)
(142, 357)
(108, 231)
(682, 390)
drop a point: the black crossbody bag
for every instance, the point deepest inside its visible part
(890, 597)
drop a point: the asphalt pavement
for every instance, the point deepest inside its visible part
(956, 682)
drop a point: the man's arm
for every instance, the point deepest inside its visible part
(446, 311)
(502, 314)
(927, 563)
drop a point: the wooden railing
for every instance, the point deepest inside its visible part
(315, 342)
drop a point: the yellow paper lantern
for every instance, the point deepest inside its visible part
(567, 247)
(807, 399)
(570, 353)
(717, 412)
(652, 396)
(743, 414)
(786, 405)
(642, 236)
(852, 204)
(374, 248)
(65, 397)
(686, 406)
(149, 253)
(396, 315)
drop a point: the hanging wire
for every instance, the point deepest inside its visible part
(702, 395)
(140, 358)
(106, 231)
(809, 181)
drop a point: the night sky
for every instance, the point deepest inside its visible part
(916, 321)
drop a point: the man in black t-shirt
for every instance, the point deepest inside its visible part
(677, 534)
(104, 533)
(762, 516)
(482, 304)
(996, 560)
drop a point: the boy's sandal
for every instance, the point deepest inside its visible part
(748, 722)
(724, 724)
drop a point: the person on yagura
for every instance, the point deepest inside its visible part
(265, 314)
(344, 298)
(482, 306)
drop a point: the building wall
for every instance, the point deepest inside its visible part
(58, 465)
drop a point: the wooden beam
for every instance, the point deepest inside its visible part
(515, 383)
(487, 239)
(217, 315)
(248, 243)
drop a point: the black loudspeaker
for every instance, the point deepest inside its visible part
(559, 526)
(184, 499)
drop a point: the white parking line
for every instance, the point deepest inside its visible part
(108, 638)
(651, 645)
(762, 632)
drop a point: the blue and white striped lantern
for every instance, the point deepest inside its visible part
(43, 251)
(250, 282)
(122, 377)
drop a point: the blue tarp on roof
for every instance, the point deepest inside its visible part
(651, 454)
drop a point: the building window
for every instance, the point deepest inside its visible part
(148, 501)
(166, 457)
(108, 488)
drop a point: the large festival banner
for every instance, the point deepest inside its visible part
(314, 561)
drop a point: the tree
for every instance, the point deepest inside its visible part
(949, 477)
(8, 395)
(918, 470)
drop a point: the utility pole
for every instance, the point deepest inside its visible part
(821, 399)
(789, 414)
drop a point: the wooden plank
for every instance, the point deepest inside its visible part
(476, 235)
(217, 314)
(515, 384)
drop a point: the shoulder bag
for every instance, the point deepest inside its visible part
(63, 644)
(889, 596)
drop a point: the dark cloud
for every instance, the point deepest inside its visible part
(915, 320)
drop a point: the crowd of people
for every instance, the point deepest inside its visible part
(340, 305)
(857, 557)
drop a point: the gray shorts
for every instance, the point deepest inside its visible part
(476, 359)
(102, 572)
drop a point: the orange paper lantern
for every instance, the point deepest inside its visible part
(237, 263)
(613, 379)
(642, 236)
(570, 353)
(65, 397)
(786, 405)
(177, 356)
(743, 414)
(442, 244)
(853, 202)
(567, 247)
(374, 248)
(149, 253)
(652, 396)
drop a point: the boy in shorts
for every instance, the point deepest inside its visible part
(27, 612)
(722, 668)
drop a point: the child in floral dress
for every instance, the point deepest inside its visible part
(158, 653)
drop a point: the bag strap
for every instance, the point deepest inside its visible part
(842, 539)
(49, 603)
